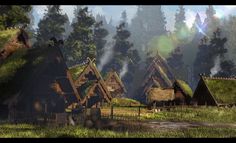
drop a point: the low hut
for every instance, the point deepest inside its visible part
(114, 84)
(215, 91)
(183, 92)
(160, 96)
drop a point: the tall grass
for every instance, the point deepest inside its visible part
(25, 130)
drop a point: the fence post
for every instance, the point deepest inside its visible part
(139, 112)
(111, 111)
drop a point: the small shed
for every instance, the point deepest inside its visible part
(183, 92)
(215, 91)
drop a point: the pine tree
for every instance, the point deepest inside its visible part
(124, 18)
(148, 23)
(76, 11)
(13, 15)
(229, 30)
(99, 34)
(52, 25)
(175, 60)
(208, 53)
(80, 43)
(181, 29)
(211, 22)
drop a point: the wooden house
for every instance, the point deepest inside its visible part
(183, 93)
(215, 91)
(157, 75)
(114, 84)
(90, 84)
(34, 86)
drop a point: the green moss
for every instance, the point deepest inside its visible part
(38, 60)
(76, 71)
(11, 65)
(125, 102)
(6, 36)
(185, 87)
(163, 74)
(17, 68)
(224, 91)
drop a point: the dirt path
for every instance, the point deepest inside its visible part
(185, 125)
(161, 125)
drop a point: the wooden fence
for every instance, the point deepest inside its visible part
(120, 116)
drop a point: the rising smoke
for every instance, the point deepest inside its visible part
(107, 55)
(216, 68)
(124, 69)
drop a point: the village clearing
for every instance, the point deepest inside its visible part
(178, 122)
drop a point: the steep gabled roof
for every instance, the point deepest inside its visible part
(160, 66)
(117, 78)
(222, 89)
(85, 69)
(185, 87)
(35, 76)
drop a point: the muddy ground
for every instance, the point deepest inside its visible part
(134, 126)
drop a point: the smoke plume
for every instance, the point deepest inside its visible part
(216, 68)
(107, 55)
(124, 69)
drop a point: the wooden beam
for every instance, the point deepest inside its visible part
(73, 86)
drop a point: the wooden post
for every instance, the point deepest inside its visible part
(86, 101)
(154, 106)
(111, 111)
(45, 112)
(139, 112)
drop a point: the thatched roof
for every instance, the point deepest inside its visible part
(222, 89)
(159, 68)
(159, 94)
(117, 78)
(185, 87)
(77, 70)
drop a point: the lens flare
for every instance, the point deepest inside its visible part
(200, 30)
(220, 13)
(163, 44)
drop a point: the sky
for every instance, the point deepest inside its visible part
(114, 12)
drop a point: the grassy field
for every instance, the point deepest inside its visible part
(200, 114)
(26, 130)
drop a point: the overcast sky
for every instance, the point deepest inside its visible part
(115, 12)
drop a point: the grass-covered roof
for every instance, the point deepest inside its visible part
(17, 68)
(76, 70)
(6, 36)
(185, 87)
(223, 90)
(125, 102)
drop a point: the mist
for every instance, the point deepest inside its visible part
(216, 68)
(107, 55)
(124, 69)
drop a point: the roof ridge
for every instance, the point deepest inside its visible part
(218, 77)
